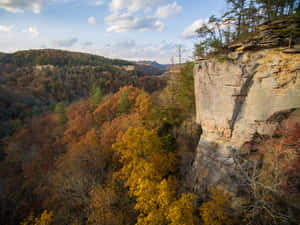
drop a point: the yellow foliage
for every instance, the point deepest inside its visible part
(213, 212)
(181, 212)
(146, 169)
(44, 219)
(143, 105)
(143, 157)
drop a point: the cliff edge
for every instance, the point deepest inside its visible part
(247, 95)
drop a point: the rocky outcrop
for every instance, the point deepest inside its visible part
(270, 34)
(237, 100)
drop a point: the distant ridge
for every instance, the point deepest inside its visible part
(57, 57)
(154, 64)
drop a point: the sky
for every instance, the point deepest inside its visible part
(127, 29)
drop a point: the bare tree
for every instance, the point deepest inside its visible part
(179, 53)
(267, 202)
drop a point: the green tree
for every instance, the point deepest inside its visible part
(212, 35)
(61, 114)
(124, 105)
(292, 30)
(96, 94)
(237, 14)
(51, 106)
(200, 49)
(35, 111)
(185, 88)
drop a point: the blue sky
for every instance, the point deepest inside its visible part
(128, 29)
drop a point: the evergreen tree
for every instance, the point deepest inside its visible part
(211, 35)
(185, 88)
(96, 94)
(61, 115)
(124, 105)
(237, 14)
(246, 15)
(51, 106)
(35, 111)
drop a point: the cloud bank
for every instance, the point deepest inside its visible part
(125, 22)
(99, 3)
(133, 5)
(130, 15)
(5, 28)
(18, 6)
(92, 20)
(132, 50)
(65, 43)
(168, 10)
(190, 31)
(32, 30)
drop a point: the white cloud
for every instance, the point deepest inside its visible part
(99, 2)
(128, 15)
(92, 20)
(18, 6)
(127, 44)
(168, 10)
(190, 31)
(131, 50)
(126, 22)
(65, 43)
(32, 30)
(87, 43)
(133, 5)
(5, 28)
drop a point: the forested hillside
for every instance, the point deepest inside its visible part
(33, 81)
(58, 58)
(87, 140)
(104, 160)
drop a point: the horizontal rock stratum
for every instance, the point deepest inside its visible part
(236, 98)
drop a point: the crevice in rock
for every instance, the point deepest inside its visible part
(280, 115)
(206, 68)
(240, 98)
(293, 79)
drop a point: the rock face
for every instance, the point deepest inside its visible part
(271, 34)
(236, 100)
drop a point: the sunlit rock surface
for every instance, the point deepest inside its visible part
(236, 99)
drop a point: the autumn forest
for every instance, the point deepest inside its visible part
(90, 140)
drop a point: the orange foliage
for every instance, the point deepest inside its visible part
(109, 134)
(102, 210)
(31, 156)
(109, 109)
(94, 160)
(80, 120)
(287, 149)
(46, 147)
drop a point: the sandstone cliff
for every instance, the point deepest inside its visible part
(236, 100)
